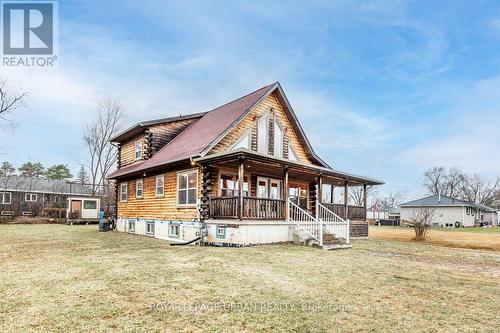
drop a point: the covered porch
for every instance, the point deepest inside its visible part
(246, 185)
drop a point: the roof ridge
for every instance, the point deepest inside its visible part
(237, 99)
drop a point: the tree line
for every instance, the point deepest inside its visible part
(453, 182)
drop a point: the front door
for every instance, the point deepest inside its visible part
(76, 208)
(269, 188)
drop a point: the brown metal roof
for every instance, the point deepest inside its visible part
(199, 135)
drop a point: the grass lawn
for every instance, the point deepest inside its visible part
(470, 238)
(73, 278)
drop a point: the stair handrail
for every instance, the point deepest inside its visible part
(305, 221)
(334, 223)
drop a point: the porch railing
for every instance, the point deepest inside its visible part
(354, 212)
(224, 207)
(253, 208)
(306, 222)
(266, 209)
(333, 223)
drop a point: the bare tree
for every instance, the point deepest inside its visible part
(97, 136)
(392, 200)
(10, 99)
(421, 220)
(480, 190)
(434, 180)
(454, 183)
(356, 194)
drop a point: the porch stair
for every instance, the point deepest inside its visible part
(328, 231)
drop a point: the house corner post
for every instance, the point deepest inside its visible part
(346, 198)
(241, 172)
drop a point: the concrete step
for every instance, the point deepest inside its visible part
(329, 247)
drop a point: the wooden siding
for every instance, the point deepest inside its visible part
(164, 133)
(127, 151)
(153, 207)
(249, 123)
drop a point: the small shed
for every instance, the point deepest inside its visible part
(83, 208)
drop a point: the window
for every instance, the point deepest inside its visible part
(131, 225)
(160, 185)
(123, 192)
(187, 188)
(139, 185)
(150, 227)
(298, 194)
(262, 134)
(244, 142)
(229, 185)
(89, 204)
(138, 150)
(220, 232)
(173, 230)
(278, 140)
(5, 198)
(30, 197)
(291, 153)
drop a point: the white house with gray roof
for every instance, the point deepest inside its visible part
(451, 212)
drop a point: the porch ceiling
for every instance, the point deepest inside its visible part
(273, 166)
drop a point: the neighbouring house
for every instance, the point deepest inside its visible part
(42, 197)
(243, 173)
(451, 212)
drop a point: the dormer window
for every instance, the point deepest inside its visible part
(138, 150)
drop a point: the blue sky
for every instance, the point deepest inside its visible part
(385, 89)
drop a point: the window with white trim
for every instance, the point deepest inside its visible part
(150, 227)
(131, 225)
(90, 204)
(278, 139)
(243, 142)
(139, 188)
(220, 232)
(5, 198)
(291, 153)
(262, 134)
(173, 230)
(123, 192)
(187, 188)
(160, 185)
(30, 197)
(138, 150)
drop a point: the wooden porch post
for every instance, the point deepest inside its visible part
(346, 198)
(332, 198)
(319, 196)
(286, 189)
(320, 188)
(241, 171)
(365, 199)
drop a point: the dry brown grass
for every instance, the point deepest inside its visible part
(72, 278)
(467, 240)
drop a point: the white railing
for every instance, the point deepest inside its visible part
(305, 221)
(333, 223)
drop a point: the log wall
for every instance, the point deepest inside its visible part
(153, 207)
